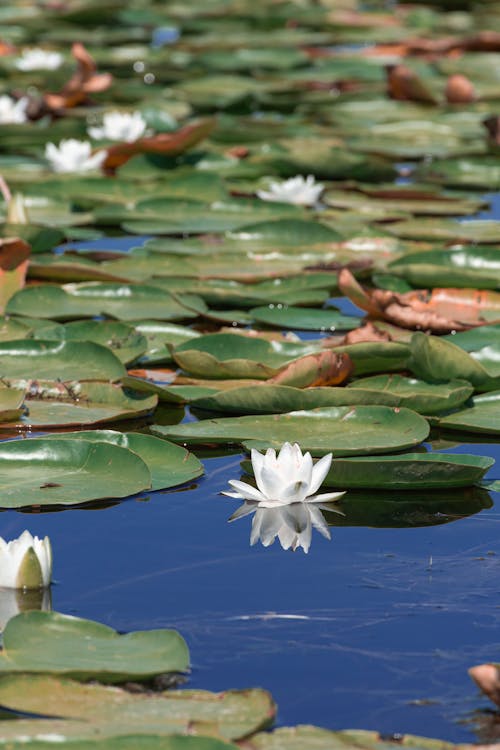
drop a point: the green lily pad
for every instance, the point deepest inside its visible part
(385, 390)
(125, 342)
(11, 403)
(425, 398)
(121, 301)
(159, 335)
(50, 404)
(484, 231)
(343, 431)
(67, 472)
(52, 360)
(285, 316)
(474, 267)
(49, 642)
(439, 360)
(482, 416)
(22, 729)
(302, 736)
(169, 464)
(409, 471)
(92, 710)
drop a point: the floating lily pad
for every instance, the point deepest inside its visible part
(386, 390)
(11, 403)
(126, 343)
(475, 267)
(65, 360)
(169, 464)
(482, 416)
(425, 398)
(284, 316)
(121, 301)
(343, 431)
(50, 404)
(67, 472)
(49, 642)
(438, 360)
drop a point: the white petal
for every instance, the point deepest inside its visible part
(326, 497)
(319, 472)
(258, 462)
(247, 491)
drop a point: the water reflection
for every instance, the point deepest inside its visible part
(14, 601)
(292, 524)
(410, 508)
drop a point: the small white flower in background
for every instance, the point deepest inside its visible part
(119, 126)
(38, 59)
(303, 191)
(26, 562)
(285, 501)
(12, 111)
(73, 156)
(286, 478)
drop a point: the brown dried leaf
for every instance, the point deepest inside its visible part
(14, 255)
(487, 678)
(324, 368)
(171, 144)
(459, 90)
(85, 80)
(404, 84)
(366, 333)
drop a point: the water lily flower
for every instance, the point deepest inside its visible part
(26, 562)
(286, 478)
(302, 191)
(73, 156)
(12, 111)
(38, 59)
(119, 126)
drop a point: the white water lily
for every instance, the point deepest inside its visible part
(26, 562)
(12, 111)
(38, 59)
(73, 156)
(119, 126)
(286, 478)
(302, 191)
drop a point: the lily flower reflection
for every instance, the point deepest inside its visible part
(291, 524)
